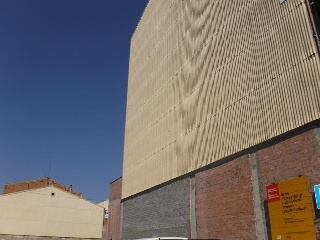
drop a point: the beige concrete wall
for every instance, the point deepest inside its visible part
(210, 78)
(104, 204)
(38, 213)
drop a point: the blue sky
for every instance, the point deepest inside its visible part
(63, 87)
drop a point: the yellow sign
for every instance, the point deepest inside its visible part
(290, 210)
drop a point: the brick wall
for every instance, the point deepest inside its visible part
(115, 190)
(163, 212)
(37, 183)
(298, 155)
(105, 229)
(15, 187)
(114, 220)
(290, 158)
(224, 201)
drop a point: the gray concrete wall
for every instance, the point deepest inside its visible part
(163, 212)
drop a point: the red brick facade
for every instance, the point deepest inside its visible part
(114, 220)
(290, 158)
(224, 202)
(36, 183)
(224, 194)
(115, 190)
(298, 155)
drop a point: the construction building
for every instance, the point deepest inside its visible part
(223, 111)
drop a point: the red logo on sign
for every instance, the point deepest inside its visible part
(273, 193)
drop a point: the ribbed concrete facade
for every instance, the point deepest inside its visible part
(211, 78)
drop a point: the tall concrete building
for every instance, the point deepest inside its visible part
(223, 101)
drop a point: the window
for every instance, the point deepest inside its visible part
(52, 194)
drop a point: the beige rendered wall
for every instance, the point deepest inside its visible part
(210, 78)
(104, 204)
(38, 213)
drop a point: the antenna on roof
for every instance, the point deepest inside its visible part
(49, 168)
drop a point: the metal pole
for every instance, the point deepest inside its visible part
(49, 168)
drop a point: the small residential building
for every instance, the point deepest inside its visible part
(49, 211)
